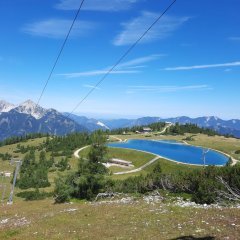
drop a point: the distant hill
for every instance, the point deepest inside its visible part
(231, 127)
(29, 118)
(90, 123)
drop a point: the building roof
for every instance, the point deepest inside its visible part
(147, 129)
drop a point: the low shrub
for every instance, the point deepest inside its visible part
(34, 195)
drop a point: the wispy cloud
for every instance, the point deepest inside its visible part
(141, 60)
(232, 64)
(166, 89)
(135, 28)
(128, 67)
(57, 28)
(95, 73)
(97, 5)
(234, 38)
(90, 86)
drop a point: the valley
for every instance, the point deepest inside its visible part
(164, 216)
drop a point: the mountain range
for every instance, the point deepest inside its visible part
(231, 127)
(28, 117)
(90, 123)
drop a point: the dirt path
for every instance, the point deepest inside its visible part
(165, 128)
(76, 153)
(119, 139)
(140, 168)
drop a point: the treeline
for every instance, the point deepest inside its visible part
(154, 127)
(64, 145)
(204, 186)
(176, 129)
(179, 129)
(56, 145)
(19, 139)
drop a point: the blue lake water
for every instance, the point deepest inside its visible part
(175, 151)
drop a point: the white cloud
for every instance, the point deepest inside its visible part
(136, 67)
(232, 64)
(135, 28)
(128, 67)
(95, 73)
(166, 89)
(135, 62)
(91, 86)
(58, 28)
(96, 5)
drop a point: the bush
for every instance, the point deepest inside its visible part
(205, 193)
(33, 174)
(190, 138)
(63, 164)
(5, 156)
(63, 189)
(34, 195)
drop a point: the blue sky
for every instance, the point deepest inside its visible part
(188, 64)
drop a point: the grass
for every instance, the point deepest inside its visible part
(138, 159)
(227, 145)
(81, 220)
(5, 166)
(167, 167)
(138, 220)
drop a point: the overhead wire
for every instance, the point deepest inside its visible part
(121, 58)
(60, 52)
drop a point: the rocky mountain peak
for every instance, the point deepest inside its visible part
(31, 108)
(6, 106)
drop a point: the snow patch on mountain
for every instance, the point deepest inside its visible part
(102, 125)
(31, 108)
(5, 106)
(27, 107)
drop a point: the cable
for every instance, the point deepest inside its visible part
(121, 58)
(60, 52)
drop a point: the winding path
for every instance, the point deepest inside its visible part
(165, 128)
(76, 154)
(140, 168)
(119, 139)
